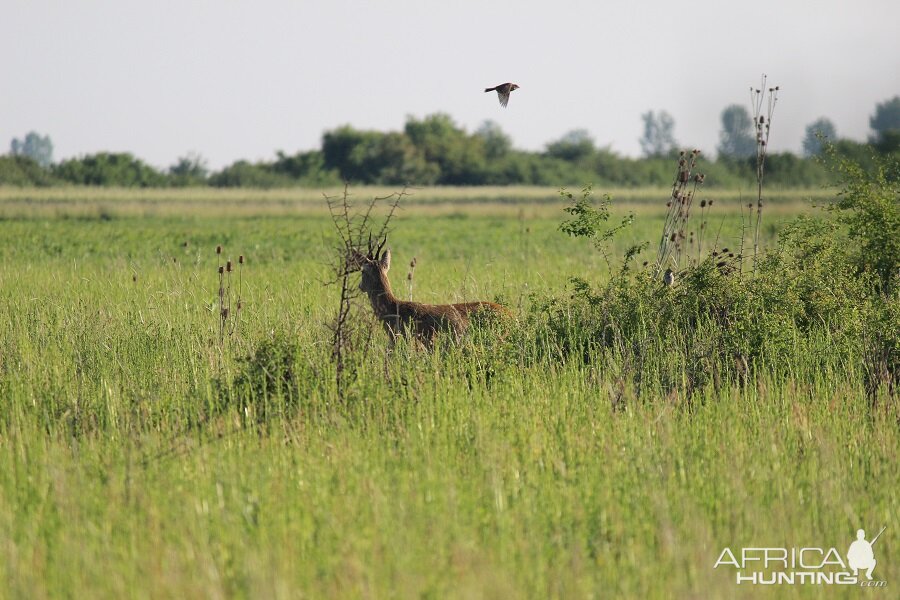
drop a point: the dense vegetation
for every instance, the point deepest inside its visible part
(612, 441)
(434, 151)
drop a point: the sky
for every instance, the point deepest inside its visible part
(232, 79)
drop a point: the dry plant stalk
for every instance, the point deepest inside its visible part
(762, 122)
(228, 318)
(684, 190)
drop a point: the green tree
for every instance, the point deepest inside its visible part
(574, 146)
(496, 143)
(886, 120)
(659, 138)
(109, 168)
(346, 149)
(245, 174)
(388, 158)
(736, 137)
(305, 168)
(817, 132)
(38, 148)
(461, 157)
(23, 171)
(190, 169)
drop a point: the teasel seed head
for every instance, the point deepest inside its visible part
(219, 249)
(241, 259)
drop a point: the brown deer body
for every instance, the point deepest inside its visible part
(414, 320)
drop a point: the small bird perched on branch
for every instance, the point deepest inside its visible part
(503, 90)
(669, 278)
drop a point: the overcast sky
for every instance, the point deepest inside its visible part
(236, 79)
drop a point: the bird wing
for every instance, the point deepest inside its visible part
(504, 97)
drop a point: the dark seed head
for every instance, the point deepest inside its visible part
(218, 249)
(241, 259)
(221, 269)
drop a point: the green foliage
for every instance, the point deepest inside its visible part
(886, 119)
(869, 204)
(189, 170)
(587, 218)
(575, 146)
(659, 134)
(23, 171)
(817, 292)
(736, 136)
(459, 156)
(267, 383)
(589, 221)
(303, 168)
(34, 146)
(817, 133)
(496, 143)
(107, 169)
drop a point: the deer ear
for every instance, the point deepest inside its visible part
(386, 260)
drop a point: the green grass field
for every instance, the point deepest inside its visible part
(124, 472)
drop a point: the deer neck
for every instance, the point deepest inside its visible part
(384, 303)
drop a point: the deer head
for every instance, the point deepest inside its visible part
(374, 266)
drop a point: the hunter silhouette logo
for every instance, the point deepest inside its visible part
(804, 565)
(860, 556)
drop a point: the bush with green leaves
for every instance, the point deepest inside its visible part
(271, 381)
(824, 291)
(109, 169)
(22, 170)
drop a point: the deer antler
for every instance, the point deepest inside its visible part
(380, 246)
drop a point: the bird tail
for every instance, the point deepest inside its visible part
(489, 89)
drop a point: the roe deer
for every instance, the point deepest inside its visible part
(412, 319)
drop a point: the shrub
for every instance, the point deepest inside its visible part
(270, 382)
(23, 171)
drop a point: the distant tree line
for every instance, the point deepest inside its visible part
(435, 150)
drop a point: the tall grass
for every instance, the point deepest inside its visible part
(144, 455)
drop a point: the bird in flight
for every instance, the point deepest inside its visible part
(503, 90)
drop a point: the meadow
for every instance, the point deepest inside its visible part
(134, 464)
